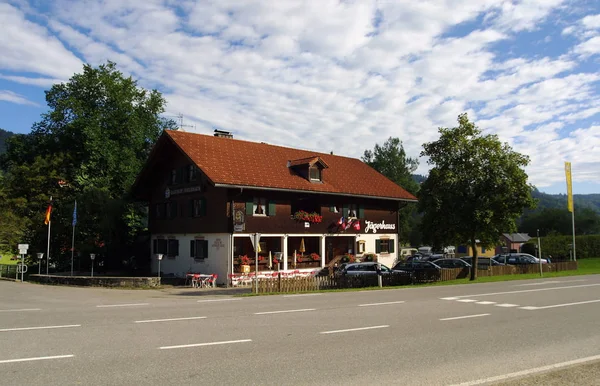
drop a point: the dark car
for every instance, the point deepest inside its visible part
(420, 271)
(356, 269)
(451, 263)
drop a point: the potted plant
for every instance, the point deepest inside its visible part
(244, 262)
(302, 215)
(315, 257)
(370, 256)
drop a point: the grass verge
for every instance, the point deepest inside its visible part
(5, 260)
(588, 266)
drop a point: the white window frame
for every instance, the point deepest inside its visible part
(352, 208)
(263, 203)
(319, 171)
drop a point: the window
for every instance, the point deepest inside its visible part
(160, 246)
(198, 207)
(314, 173)
(334, 209)
(172, 209)
(199, 249)
(160, 210)
(173, 179)
(191, 173)
(259, 207)
(352, 210)
(172, 248)
(384, 246)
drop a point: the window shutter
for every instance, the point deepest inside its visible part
(249, 207)
(203, 206)
(332, 208)
(173, 209)
(391, 245)
(155, 246)
(192, 208)
(205, 247)
(377, 246)
(345, 211)
(192, 248)
(361, 211)
(271, 210)
(176, 245)
(179, 175)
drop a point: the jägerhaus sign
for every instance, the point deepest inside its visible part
(173, 192)
(372, 226)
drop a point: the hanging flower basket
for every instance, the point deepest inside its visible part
(313, 217)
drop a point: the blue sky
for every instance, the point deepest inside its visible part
(330, 75)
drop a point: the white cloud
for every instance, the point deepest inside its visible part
(332, 75)
(42, 82)
(12, 97)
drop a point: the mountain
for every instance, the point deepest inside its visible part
(4, 135)
(559, 201)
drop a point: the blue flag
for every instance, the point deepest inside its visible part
(75, 214)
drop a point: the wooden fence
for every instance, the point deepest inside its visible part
(315, 283)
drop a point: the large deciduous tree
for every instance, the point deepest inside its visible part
(391, 160)
(95, 137)
(476, 188)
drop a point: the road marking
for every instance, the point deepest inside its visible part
(298, 295)
(38, 328)
(206, 344)
(466, 300)
(542, 283)
(530, 290)
(485, 302)
(450, 298)
(464, 317)
(123, 305)
(529, 372)
(36, 358)
(217, 300)
(559, 305)
(380, 304)
(354, 329)
(507, 305)
(22, 309)
(169, 320)
(284, 311)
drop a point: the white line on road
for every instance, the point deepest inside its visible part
(450, 298)
(123, 305)
(38, 328)
(354, 329)
(485, 302)
(551, 282)
(169, 320)
(530, 290)
(529, 372)
(559, 305)
(217, 300)
(507, 305)
(380, 304)
(464, 317)
(22, 309)
(298, 295)
(466, 300)
(284, 311)
(206, 344)
(36, 358)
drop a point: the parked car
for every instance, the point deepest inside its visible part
(367, 268)
(415, 266)
(482, 262)
(451, 263)
(518, 259)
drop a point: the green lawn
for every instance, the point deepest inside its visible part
(6, 258)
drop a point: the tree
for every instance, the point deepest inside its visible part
(559, 221)
(97, 134)
(391, 161)
(476, 188)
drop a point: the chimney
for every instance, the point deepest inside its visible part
(224, 134)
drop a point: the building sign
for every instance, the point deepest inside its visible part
(173, 192)
(218, 244)
(371, 226)
(238, 220)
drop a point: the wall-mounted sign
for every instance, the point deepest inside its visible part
(238, 220)
(167, 192)
(218, 244)
(371, 226)
(191, 189)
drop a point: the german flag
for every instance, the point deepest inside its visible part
(48, 212)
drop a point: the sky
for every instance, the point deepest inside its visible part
(333, 75)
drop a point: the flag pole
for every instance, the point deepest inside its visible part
(73, 238)
(48, 247)
(573, 223)
(570, 205)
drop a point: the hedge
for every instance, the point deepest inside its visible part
(558, 246)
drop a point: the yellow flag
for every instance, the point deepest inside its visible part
(569, 187)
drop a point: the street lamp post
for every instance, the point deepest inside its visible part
(92, 256)
(159, 257)
(40, 256)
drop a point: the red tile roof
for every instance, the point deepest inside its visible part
(227, 161)
(307, 161)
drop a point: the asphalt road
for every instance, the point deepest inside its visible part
(448, 335)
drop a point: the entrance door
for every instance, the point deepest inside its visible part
(336, 246)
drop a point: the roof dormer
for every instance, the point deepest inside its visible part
(310, 168)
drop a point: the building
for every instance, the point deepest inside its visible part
(466, 250)
(513, 242)
(208, 196)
